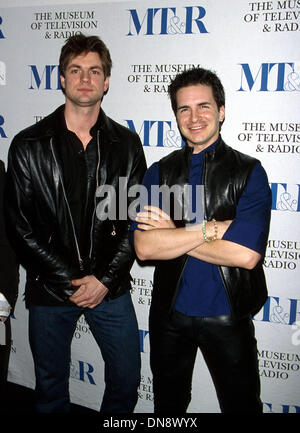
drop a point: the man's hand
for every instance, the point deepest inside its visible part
(154, 218)
(90, 293)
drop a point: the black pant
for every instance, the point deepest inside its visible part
(230, 352)
(4, 359)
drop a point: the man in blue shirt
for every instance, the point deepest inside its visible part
(208, 280)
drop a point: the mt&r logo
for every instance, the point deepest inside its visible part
(2, 132)
(270, 77)
(167, 21)
(1, 33)
(280, 408)
(47, 78)
(157, 133)
(83, 371)
(285, 197)
(282, 312)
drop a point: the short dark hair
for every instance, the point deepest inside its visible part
(192, 77)
(78, 44)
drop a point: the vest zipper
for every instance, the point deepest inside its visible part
(205, 207)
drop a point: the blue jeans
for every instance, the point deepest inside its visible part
(114, 326)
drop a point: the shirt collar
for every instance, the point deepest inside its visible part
(207, 149)
(99, 125)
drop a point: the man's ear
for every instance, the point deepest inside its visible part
(222, 113)
(106, 84)
(62, 81)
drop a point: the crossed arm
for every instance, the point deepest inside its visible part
(159, 239)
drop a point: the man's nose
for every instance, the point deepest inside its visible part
(195, 115)
(85, 76)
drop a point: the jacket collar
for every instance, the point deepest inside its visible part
(217, 150)
(53, 124)
(105, 124)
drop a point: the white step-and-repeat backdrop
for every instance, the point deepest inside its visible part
(254, 48)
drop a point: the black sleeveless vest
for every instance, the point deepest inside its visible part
(225, 175)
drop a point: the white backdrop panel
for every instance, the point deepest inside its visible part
(252, 47)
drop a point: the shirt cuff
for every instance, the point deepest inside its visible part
(246, 234)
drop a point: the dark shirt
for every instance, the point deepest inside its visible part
(79, 175)
(194, 298)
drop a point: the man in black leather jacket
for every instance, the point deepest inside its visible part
(77, 257)
(208, 280)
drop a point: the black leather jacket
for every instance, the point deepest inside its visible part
(225, 175)
(39, 221)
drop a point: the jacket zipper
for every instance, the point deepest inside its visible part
(113, 233)
(80, 261)
(95, 204)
